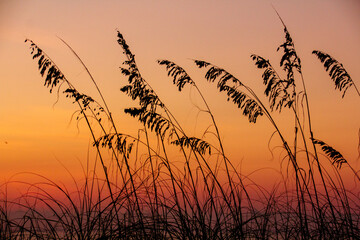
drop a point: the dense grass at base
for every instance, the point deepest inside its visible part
(49, 211)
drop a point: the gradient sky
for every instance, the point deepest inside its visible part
(38, 136)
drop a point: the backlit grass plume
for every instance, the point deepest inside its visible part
(277, 89)
(333, 154)
(229, 84)
(337, 72)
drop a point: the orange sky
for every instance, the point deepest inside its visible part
(35, 135)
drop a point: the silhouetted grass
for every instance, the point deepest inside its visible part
(141, 193)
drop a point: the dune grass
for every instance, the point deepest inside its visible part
(141, 193)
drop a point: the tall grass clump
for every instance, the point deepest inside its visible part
(135, 190)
